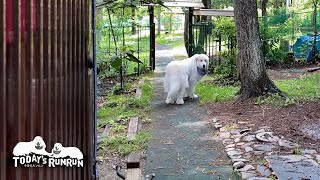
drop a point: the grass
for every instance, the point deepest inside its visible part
(298, 90)
(122, 146)
(209, 92)
(176, 39)
(116, 114)
(178, 43)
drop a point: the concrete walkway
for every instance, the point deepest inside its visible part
(183, 146)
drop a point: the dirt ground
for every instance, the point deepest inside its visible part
(277, 73)
(107, 162)
(299, 123)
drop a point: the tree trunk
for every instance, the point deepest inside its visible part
(277, 4)
(253, 75)
(315, 5)
(264, 4)
(159, 21)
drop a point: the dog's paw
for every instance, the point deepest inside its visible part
(195, 96)
(180, 101)
(169, 101)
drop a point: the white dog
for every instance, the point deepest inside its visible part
(37, 146)
(59, 151)
(182, 76)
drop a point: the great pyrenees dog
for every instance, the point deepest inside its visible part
(182, 76)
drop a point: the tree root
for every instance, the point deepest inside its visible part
(251, 92)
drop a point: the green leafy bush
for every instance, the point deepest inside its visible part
(228, 66)
(224, 26)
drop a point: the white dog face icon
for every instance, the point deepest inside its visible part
(39, 144)
(57, 148)
(59, 151)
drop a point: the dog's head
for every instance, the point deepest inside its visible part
(38, 143)
(57, 148)
(202, 62)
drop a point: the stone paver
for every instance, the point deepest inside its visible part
(294, 167)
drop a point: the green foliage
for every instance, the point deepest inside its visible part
(228, 65)
(221, 4)
(226, 72)
(225, 27)
(125, 54)
(224, 31)
(297, 151)
(114, 4)
(282, 28)
(117, 46)
(276, 56)
(274, 100)
(302, 89)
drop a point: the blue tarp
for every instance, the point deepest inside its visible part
(305, 42)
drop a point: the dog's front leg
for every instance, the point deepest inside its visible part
(191, 91)
(193, 95)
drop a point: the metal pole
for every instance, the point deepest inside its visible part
(95, 170)
(152, 37)
(190, 53)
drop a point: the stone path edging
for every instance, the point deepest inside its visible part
(249, 151)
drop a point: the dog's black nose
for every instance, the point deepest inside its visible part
(204, 66)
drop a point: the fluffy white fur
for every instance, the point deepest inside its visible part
(182, 76)
(59, 151)
(37, 146)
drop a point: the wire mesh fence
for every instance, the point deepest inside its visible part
(118, 36)
(292, 32)
(204, 40)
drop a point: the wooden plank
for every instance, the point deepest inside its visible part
(141, 82)
(133, 128)
(133, 174)
(179, 4)
(138, 93)
(105, 132)
(138, 90)
(133, 161)
(313, 69)
(183, 4)
(213, 12)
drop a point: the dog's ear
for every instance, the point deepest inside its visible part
(196, 56)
